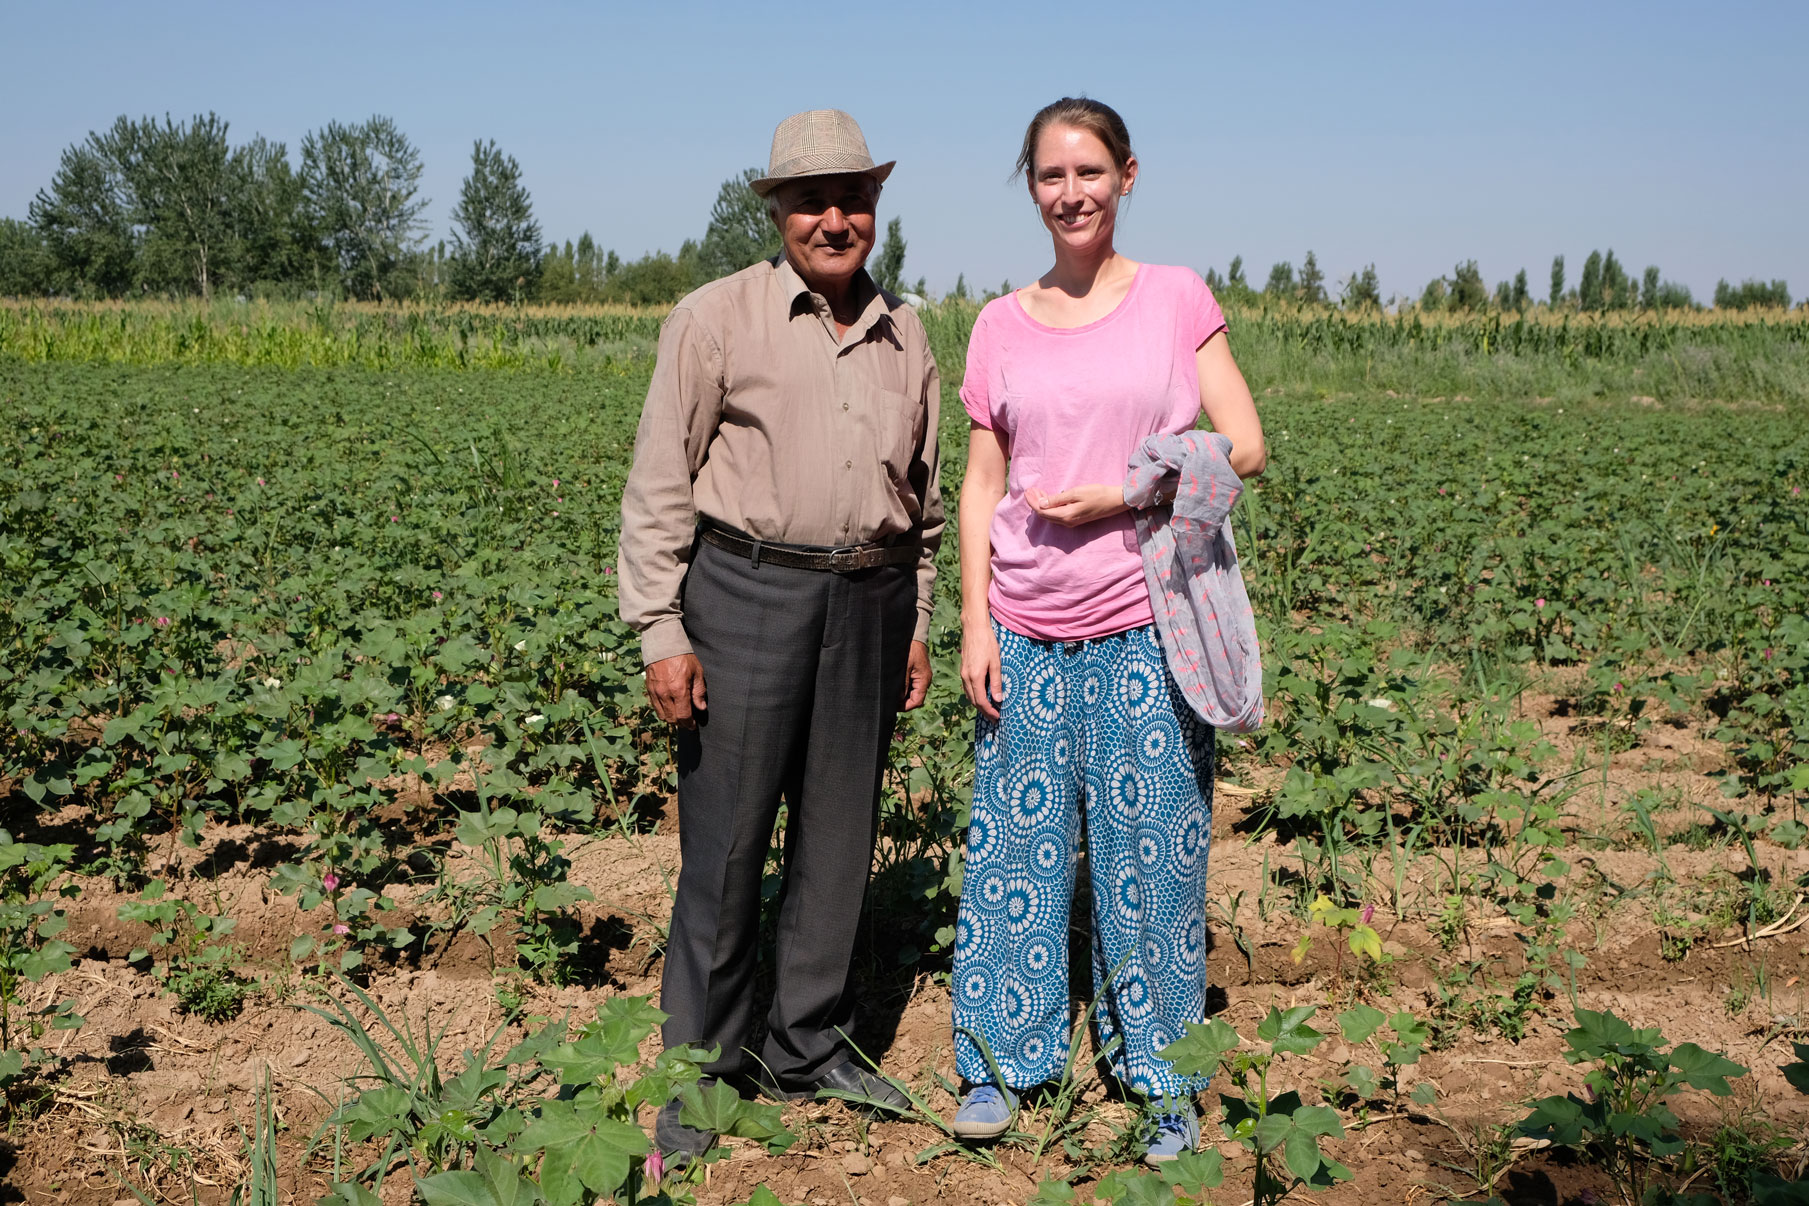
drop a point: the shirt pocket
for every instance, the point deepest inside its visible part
(897, 422)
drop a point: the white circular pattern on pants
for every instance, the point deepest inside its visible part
(1039, 955)
(1023, 904)
(1193, 837)
(1155, 951)
(1032, 799)
(1135, 1001)
(976, 987)
(1158, 742)
(1092, 688)
(992, 890)
(1127, 897)
(1048, 693)
(1192, 946)
(1139, 686)
(982, 838)
(1016, 1004)
(1151, 847)
(1050, 851)
(1124, 788)
(1031, 1051)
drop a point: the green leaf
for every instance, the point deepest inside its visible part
(1198, 1052)
(716, 1107)
(1559, 1119)
(1359, 1022)
(1050, 1192)
(1194, 1172)
(1301, 1154)
(1287, 1032)
(348, 1193)
(1702, 1069)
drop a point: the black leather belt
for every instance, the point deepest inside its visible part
(807, 556)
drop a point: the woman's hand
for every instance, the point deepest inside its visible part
(1077, 505)
(980, 675)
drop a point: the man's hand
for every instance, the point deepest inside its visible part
(1077, 505)
(917, 676)
(676, 687)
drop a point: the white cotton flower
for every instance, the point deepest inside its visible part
(446, 703)
(536, 718)
(273, 683)
(521, 645)
(1387, 705)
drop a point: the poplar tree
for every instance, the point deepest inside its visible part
(1312, 280)
(888, 270)
(85, 221)
(1557, 280)
(1519, 297)
(1648, 297)
(360, 186)
(496, 252)
(741, 230)
(1363, 289)
(1467, 290)
(1589, 289)
(1617, 292)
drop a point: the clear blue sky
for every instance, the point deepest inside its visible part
(1410, 135)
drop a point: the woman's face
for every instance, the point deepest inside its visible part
(1076, 186)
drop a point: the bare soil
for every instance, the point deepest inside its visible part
(155, 1101)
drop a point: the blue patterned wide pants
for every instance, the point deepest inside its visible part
(1094, 731)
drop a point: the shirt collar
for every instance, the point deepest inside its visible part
(802, 299)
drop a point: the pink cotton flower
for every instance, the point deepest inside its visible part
(342, 928)
(162, 621)
(1539, 603)
(330, 882)
(1368, 912)
(395, 519)
(437, 596)
(260, 481)
(654, 1167)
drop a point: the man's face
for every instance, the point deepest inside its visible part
(827, 224)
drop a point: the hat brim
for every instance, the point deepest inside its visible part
(879, 172)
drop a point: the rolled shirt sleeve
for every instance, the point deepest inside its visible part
(659, 511)
(926, 477)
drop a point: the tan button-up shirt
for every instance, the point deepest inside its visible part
(761, 417)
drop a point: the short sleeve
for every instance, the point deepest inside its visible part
(1203, 311)
(976, 389)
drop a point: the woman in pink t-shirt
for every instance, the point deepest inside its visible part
(1080, 722)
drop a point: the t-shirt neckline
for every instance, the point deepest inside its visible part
(1124, 303)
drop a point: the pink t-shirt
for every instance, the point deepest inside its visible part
(1072, 404)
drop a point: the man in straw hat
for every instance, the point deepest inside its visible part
(779, 531)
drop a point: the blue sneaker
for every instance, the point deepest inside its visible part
(986, 1113)
(1177, 1131)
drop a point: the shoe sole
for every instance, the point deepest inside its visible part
(979, 1130)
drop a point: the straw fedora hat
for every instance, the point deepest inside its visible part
(822, 142)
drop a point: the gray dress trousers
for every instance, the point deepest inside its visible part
(804, 674)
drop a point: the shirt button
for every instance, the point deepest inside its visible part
(844, 406)
(847, 464)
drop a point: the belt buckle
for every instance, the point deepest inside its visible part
(844, 559)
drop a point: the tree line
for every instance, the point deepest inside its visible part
(1605, 285)
(168, 208)
(163, 208)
